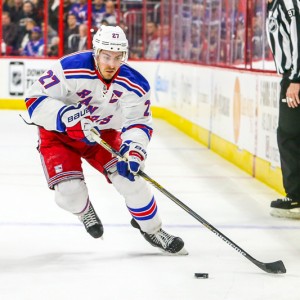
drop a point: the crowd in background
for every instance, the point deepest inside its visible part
(23, 25)
(229, 32)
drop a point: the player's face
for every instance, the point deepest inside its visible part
(108, 63)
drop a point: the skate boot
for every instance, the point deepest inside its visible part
(163, 240)
(285, 208)
(92, 223)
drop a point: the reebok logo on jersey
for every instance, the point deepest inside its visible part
(58, 169)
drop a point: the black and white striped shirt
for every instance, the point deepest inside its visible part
(283, 32)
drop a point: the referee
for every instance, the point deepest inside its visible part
(283, 31)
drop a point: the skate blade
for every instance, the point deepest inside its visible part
(183, 251)
(286, 213)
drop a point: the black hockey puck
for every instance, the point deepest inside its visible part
(201, 275)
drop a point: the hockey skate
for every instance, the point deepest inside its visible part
(92, 223)
(164, 241)
(285, 208)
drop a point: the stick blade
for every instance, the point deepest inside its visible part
(276, 267)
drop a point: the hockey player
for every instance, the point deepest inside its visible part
(97, 89)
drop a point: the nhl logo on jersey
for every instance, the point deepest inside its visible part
(272, 25)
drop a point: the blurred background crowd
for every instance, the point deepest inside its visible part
(214, 32)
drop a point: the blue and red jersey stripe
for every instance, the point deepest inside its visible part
(80, 73)
(148, 130)
(129, 85)
(32, 103)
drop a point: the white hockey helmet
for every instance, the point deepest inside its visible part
(111, 38)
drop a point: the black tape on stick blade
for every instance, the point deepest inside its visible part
(201, 275)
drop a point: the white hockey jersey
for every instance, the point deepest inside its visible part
(123, 104)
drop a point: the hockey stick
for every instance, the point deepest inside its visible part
(276, 267)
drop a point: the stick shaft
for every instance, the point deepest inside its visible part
(276, 267)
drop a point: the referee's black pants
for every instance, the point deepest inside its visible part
(288, 138)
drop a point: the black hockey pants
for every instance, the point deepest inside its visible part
(288, 138)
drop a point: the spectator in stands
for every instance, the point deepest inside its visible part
(110, 13)
(9, 33)
(98, 10)
(25, 33)
(257, 38)
(164, 53)
(6, 6)
(153, 49)
(53, 13)
(36, 44)
(51, 32)
(151, 31)
(80, 11)
(83, 32)
(239, 43)
(195, 45)
(67, 8)
(16, 11)
(104, 22)
(79, 42)
(213, 45)
(203, 56)
(152, 40)
(28, 12)
(225, 33)
(38, 9)
(71, 30)
(158, 43)
(53, 47)
(198, 13)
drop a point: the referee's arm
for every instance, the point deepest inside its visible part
(293, 90)
(294, 15)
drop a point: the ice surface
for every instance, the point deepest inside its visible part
(45, 252)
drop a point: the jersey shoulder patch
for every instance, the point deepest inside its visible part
(132, 80)
(79, 65)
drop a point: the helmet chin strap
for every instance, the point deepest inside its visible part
(96, 64)
(125, 57)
